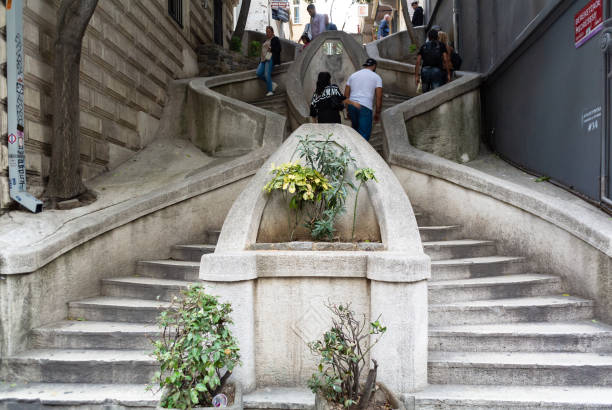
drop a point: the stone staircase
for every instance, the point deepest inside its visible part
(389, 100)
(278, 104)
(500, 337)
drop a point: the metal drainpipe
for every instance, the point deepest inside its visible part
(15, 108)
(456, 14)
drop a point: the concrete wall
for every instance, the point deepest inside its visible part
(487, 28)
(450, 130)
(535, 119)
(41, 297)
(131, 51)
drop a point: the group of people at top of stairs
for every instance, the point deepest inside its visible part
(418, 17)
(433, 68)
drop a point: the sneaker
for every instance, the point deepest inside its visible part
(274, 86)
(269, 93)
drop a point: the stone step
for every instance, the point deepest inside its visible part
(465, 268)
(190, 252)
(280, 398)
(72, 334)
(531, 309)
(140, 287)
(460, 248)
(493, 287)
(114, 309)
(81, 366)
(212, 236)
(479, 397)
(439, 233)
(580, 337)
(169, 269)
(520, 368)
(30, 396)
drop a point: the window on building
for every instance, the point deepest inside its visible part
(175, 10)
(296, 11)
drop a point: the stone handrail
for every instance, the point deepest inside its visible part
(221, 125)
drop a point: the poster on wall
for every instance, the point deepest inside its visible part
(588, 21)
(362, 10)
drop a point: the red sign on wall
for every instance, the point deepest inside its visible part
(279, 4)
(588, 22)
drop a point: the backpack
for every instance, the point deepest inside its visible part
(431, 52)
(456, 60)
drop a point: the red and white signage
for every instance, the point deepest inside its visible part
(279, 4)
(362, 10)
(588, 22)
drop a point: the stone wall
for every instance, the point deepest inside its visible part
(131, 51)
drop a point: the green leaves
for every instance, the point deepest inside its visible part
(343, 352)
(365, 174)
(320, 188)
(197, 352)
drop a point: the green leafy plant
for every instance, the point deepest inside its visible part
(362, 175)
(299, 185)
(343, 352)
(320, 196)
(235, 44)
(197, 352)
(412, 48)
(254, 49)
(332, 161)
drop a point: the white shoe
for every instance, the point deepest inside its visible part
(269, 93)
(274, 86)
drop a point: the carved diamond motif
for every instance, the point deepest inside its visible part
(311, 325)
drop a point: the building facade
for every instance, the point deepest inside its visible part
(130, 53)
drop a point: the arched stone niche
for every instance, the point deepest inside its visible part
(333, 51)
(278, 296)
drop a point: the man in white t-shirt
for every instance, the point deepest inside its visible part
(362, 87)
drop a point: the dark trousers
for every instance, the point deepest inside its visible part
(432, 78)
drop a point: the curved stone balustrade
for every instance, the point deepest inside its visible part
(445, 122)
(221, 125)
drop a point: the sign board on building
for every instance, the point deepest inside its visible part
(362, 10)
(279, 4)
(588, 21)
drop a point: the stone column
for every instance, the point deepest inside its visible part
(231, 277)
(398, 292)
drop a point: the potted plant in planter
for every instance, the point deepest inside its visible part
(197, 352)
(343, 352)
(316, 192)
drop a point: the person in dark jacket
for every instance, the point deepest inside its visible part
(270, 56)
(327, 101)
(435, 62)
(417, 17)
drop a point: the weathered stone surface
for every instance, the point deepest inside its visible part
(304, 280)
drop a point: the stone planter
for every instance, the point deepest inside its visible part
(394, 401)
(236, 405)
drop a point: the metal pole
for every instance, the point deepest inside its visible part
(15, 107)
(456, 14)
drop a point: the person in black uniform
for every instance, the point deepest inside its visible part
(418, 17)
(327, 101)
